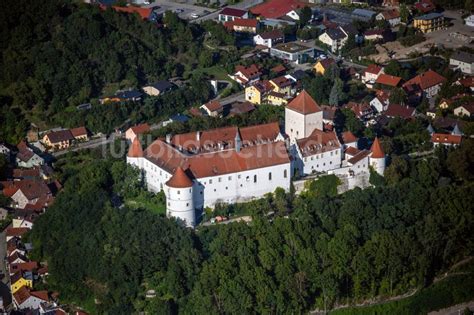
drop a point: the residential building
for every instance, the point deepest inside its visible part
(269, 38)
(143, 13)
(429, 22)
(243, 25)
(466, 110)
(275, 98)
(231, 14)
(247, 75)
(363, 111)
(446, 139)
(25, 299)
(381, 101)
(26, 157)
(463, 61)
(363, 15)
(276, 9)
(392, 16)
(257, 93)
(5, 150)
(396, 110)
(371, 74)
(30, 192)
(135, 131)
(466, 82)
(388, 81)
(21, 279)
(240, 108)
(282, 85)
(323, 65)
(293, 52)
(158, 88)
(334, 38)
(58, 140)
(80, 133)
(213, 108)
(424, 6)
(429, 83)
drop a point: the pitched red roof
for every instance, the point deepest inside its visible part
(241, 23)
(318, 142)
(304, 104)
(391, 14)
(425, 80)
(233, 12)
(140, 129)
(273, 9)
(213, 106)
(263, 86)
(33, 188)
(250, 72)
(135, 149)
(446, 138)
(26, 266)
(274, 34)
(348, 137)
(326, 63)
(467, 82)
(395, 110)
(282, 81)
(360, 155)
(60, 136)
(425, 6)
(373, 68)
(79, 131)
(376, 149)
(11, 231)
(278, 69)
(390, 80)
(179, 179)
(144, 13)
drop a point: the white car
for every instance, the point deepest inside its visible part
(194, 15)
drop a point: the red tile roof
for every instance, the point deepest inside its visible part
(376, 149)
(263, 86)
(467, 82)
(273, 9)
(25, 266)
(79, 131)
(60, 136)
(213, 106)
(348, 137)
(446, 138)
(359, 156)
(274, 34)
(425, 6)
(250, 72)
(179, 179)
(326, 63)
(395, 110)
(33, 188)
(135, 149)
(278, 69)
(233, 12)
(11, 231)
(391, 14)
(144, 13)
(390, 80)
(140, 129)
(426, 80)
(351, 151)
(282, 81)
(373, 68)
(241, 23)
(318, 142)
(304, 104)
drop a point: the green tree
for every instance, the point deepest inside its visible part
(336, 94)
(305, 16)
(404, 14)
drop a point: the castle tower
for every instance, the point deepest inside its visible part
(135, 154)
(179, 197)
(302, 116)
(377, 157)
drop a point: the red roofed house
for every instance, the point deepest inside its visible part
(258, 92)
(24, 298)
(363, 111)
(213, 108)
(247, 75)
(144, 13)
(424, 6)
(58, 140)
(392, 16)
(269, 38)
(348, 139)
(428, 82)
(465, 110)
(15, 232)
(302, 116)
(381, 100)
(445, 139)
(232, 14)
(80, 133)
(243, 25)
(387, 80)
(395, 110)
(31, 192)
(323, 65)
(26, 157)
(371, 74)
(135, 131)
(274, 9)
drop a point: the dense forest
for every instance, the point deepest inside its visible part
(56, 55)
(318, 250)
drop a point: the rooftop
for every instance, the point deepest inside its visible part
(291, 47)
(304, 104)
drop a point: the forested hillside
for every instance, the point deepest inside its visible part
(56, 55)
(331, 249)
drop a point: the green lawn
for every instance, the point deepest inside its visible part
(456, 288)
(217, 72)
(146, 203)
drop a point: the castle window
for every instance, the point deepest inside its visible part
(230, 178)
(168, 203)
(226, 188)
(254, 178)
(248, 178)
(187, 204)
(285, 174)
(238, 176)
(179, 192)
(270, 176)
(200, 192)
(219, 179)
(331, 153)
(214, 190)
(336, 153)
(210, 181)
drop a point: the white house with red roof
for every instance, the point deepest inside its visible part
(135, 131)
(429, 83)
(231, 14)
(247, 75)
(371, 74)
(269, 38)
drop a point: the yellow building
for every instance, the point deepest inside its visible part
(429, 22)
(257, 93)
(19, 280)
(322, 65)
(281, 85)
(275, 98)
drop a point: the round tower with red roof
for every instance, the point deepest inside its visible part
(179, 197)
(135, 154)
(377, 157)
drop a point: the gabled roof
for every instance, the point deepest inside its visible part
(389, 80)
(135, 149)
(348, 137)
(463, 56)
(466, 82)
(376, 149)
(424, 6)
(391, 14)
(60, 136)
(79, 131)
(274, 9)
(429, 16)
(326, 63)
(242, 108)
(144, 13)
(179, 179)
(213, 106)
(241, 23)
(24, 294)
(304, 104)
(335, 33)
(396, 110)
(32, 188)
(281, 81)
(469, 107)
(274, 34)
(140, 129)
(250, 72)
(425, 80)
(318, 142)
(263, 86)
(233, 12)
(278, 69)
(359, 156)
(162, 85)
(446, 138)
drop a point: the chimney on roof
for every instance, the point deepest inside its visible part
(168, 138)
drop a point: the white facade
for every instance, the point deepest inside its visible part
(463, 66)
(470, 21)
(378, 165)
(180, 204)
(379, 105)
(393, 21)
(319, 163)
(334, 44)
(298, 125)
(269, 42)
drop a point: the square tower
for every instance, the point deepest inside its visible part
(302, 116)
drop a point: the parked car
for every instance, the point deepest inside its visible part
(194, 15)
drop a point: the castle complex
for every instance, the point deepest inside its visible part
(231, 164)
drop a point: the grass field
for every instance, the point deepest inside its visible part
(146, 203)
(458, 287)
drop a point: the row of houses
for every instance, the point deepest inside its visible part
(64, 138)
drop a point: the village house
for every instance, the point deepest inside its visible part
(15, 233)
(424, 6)
(323, 65)
(396, 110)
(26, 157)
(429, 83)
(465, 110)
(463, 61)
(27, 299)
(231, 14)
(445, 139)
(243, 25)
(293, 52)
(467, 82)
(329, 113)
(363, 111)
(388, 81)
(247, 75)
(381, 101)
(80, 134)
(21, 279)
(135, 131)
(5, 150)
(239, 108)
(429, 22)
(158, 88)
(374, 35)
(58, 140)
(213, 108)
(257, 93)
(371, 73)
(269, 38)
(30, 191)
(334, 38)
(277, 99)
(282, 85)
(392, 16)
